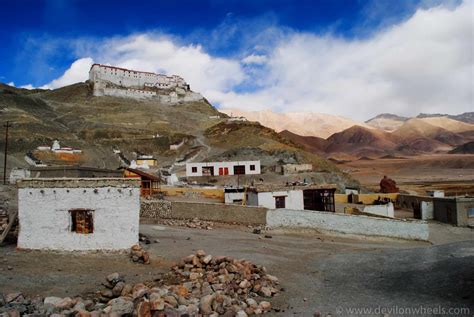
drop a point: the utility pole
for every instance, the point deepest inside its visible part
(6, 151)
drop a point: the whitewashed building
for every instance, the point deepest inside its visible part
(78, 214)
(312, 197)
(223, 168)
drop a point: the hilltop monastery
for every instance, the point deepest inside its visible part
(121, 82)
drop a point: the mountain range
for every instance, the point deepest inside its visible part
(385, 134)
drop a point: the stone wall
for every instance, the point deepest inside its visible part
(348, 224)
(153, 209)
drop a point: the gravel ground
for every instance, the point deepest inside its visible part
(319, 273)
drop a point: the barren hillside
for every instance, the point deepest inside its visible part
(302, 123)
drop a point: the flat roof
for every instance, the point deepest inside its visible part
(260, 188)
(73, 167)
(78, 182)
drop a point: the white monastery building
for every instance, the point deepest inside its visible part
(121, 82)
(223, 168)
(69, 214)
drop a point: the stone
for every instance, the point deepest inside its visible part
(265, 292)
(157, 304)
(251, 302)
(207, 259)
(107, 293)
(65, 303)
(52, 300)
(12, 297)
(200, 253)
(241, 313)
(171, 300)
(126, 290)
(113, 278)
(143, 309)
(206, 304)
(83, 313)
(121, 305)
(244, 284)
(139, 290)
(264, 305)
(117, 290)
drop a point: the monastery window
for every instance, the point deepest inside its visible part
(194, 169)
(280, 202)
(82, 221)
(252, 167)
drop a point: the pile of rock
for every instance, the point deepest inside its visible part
(200, 285)
(190, 223)
(3, 219)
(139, 255)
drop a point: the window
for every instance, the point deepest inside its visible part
(280, 202)
(82, 221)
(239, 169)
(194, 169)
(252, 167)
(470, 212)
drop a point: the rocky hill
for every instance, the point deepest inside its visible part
(97, 125)
(386, 121)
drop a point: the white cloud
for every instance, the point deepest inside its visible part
(79, 71)
(11, 84)
(423, 64)
(255, 59)
(29, 86)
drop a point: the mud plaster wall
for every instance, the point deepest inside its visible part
(45, 221)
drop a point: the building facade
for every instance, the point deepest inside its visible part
(78, 214)
(121, 82)
(313, 197)
(223, 168)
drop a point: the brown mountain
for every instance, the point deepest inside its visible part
(418, 135)
(361, 141)
(311, 144)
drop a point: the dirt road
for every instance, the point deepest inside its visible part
(318, 272)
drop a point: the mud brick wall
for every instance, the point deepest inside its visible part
(204, 211)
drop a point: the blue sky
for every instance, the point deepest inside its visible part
(245, 46)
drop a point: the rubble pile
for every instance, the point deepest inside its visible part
(202, 285)
(3, 219)
(139, 255)
(190, 223)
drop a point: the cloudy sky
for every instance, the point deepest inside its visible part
(350, 58)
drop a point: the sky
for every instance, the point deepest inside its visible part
(355, 58)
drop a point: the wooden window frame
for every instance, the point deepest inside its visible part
(278, 200)
(84, 215)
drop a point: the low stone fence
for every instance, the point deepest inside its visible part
(349, 224)
(154, 209)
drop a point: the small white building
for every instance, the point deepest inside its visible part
(296, 168)
(78, 214)
(312, 197)
(223, 168)
(234, 195)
